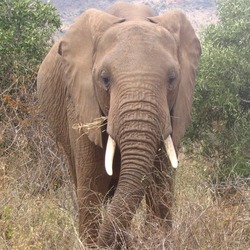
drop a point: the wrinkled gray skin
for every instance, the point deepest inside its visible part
(138, 69)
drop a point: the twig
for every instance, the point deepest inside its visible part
(246, 101)
(97, 123)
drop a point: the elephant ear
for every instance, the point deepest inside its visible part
(77, 49)
(189, 51)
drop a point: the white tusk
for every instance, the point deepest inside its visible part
(171, 151)
(109, 156)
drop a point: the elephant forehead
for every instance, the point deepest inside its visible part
(132, 34)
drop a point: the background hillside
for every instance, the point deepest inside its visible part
(200, 12)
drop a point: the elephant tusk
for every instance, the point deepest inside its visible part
(171, 151)
(109, 156)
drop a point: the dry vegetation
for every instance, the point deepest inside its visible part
(38, 208)
(38, 205)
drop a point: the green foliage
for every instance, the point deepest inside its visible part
(26, 26)
(26, 29)
(222, 96)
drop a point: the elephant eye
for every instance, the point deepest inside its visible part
(105, 78)
(171, 78)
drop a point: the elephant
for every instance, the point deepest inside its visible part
(137, 69)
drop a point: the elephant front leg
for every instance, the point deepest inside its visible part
(92, 186)
(91, 191)
(89, 203)
(160, 192)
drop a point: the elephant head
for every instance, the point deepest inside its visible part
(138, 70)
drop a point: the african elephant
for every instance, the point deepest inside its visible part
(138, 70)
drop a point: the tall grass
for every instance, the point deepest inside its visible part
(38, 205)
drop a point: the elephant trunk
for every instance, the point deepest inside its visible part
(138, 136)
(137, 158)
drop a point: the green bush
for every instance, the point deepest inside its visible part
(26, 30)
(222, 96)
(26, 26)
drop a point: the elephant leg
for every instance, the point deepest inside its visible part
(91, 181)
(92, 185)
(160, 193)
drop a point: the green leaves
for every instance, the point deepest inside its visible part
(26, 27)
(222, 96)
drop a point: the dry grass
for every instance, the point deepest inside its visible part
(96, 124)
(38, 211)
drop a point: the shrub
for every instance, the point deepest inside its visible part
(222, 96)
(26, 26)
(26, 29)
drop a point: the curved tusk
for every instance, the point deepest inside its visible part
(109, 156)
(171, 151)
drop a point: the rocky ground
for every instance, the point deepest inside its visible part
(200, 12)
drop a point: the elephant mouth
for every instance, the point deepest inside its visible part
(111, 146)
